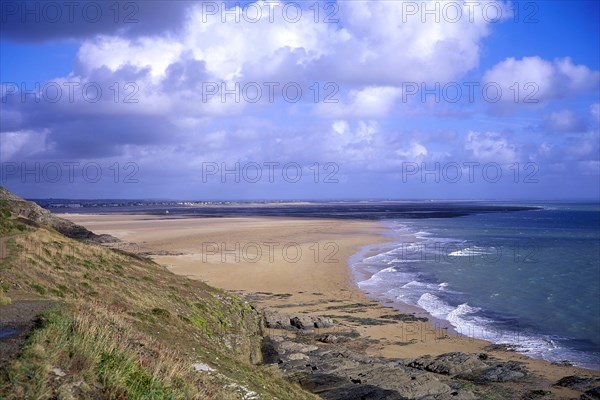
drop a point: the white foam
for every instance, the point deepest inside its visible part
(418, 285)
(471, 251)
(401, 261)
(394, 284)
(457, 318)
(434, 305)
(422, 235)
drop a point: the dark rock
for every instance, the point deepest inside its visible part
(320, 364)
(500, 347)
(473, 367)
(302, 322)
(287, 346)
(328, 338)
(563, 363)
(269, 352)
(334, 372)
(591, 394)
(581, 383)
(450, 363)
(276, 320)
(536, 394)
(405, 317)
(367, 392)
(502, 372)
(322, 322)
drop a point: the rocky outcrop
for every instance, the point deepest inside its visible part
(586, 384)
(278, 320)
(31, 214)
(472, 367)
(334, 372)
(241, 325)
(581, 383)
(332, 365)
(592, 394)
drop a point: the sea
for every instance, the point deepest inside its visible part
(526, 275)
(528, 279)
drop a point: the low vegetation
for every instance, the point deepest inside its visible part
(123, 326)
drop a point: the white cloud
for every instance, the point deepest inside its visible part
(415, 151)
(113, 52)
(545, 148)
(18, 145)
(564, 121)
(533, 81)
(366, 103)
(491, 147)
(228, 47)
(340, 127)
(394, 47)
(375, 46)
(343, 135)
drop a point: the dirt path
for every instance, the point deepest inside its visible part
(16, 321)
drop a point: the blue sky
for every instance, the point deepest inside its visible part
(379, 116)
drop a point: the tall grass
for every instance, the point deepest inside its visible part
(127, 328)
(92, 345)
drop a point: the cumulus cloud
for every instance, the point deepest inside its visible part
(414, 151)
(114, 53)
(165, 69)
(491, 147)
(364, 133)
(392, 47)
(369, 102)
(174, 126)
(533, 81)
(375, 45)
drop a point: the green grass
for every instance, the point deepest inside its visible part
(57, 292)
(4, 299)
(161, 312)
(9, 253)
(39, 288)
(128, 327)
(90, 346)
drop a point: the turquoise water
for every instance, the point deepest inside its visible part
(527, 278)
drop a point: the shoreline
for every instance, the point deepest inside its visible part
(400, 306)
(304, 286)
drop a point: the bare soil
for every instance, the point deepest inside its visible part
(16, 321)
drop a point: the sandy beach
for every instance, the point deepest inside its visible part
(298, 265)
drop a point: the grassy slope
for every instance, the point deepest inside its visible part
(124, 327)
